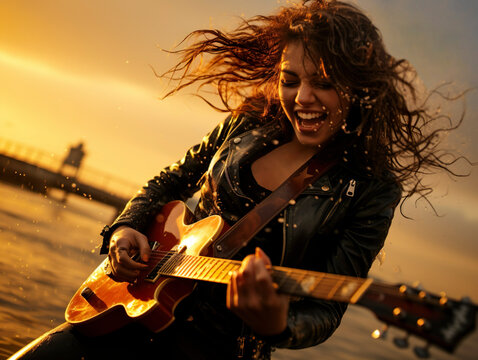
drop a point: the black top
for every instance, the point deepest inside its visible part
(271, 235)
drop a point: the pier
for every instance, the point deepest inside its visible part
(39, 171)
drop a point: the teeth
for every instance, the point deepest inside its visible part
(308, 116)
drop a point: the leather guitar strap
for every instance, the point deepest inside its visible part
(238, 235)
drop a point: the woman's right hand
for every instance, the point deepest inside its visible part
(124, 243)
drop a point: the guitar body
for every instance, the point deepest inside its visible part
(102, 304)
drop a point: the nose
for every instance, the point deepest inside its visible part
(305, 95)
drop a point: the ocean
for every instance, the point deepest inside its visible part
(49, 248)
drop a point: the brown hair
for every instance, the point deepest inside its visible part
(383, 131)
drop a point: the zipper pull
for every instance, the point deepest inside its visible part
(240, 346)
(351, 189)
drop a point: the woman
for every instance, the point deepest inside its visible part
(313, 79)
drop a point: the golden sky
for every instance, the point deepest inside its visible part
(75, 71)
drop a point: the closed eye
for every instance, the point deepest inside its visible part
(321, 84)
(288, 83)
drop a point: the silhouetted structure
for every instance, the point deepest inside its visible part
(23, 166)
(73, 159)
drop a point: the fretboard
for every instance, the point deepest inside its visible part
(291, 281)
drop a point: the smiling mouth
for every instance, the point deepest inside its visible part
(310, 121)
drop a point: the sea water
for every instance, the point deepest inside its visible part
(49, 247)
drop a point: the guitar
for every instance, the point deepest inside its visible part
(181, 253)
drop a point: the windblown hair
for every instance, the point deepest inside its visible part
(384, 130)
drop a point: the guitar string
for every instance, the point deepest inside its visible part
(326, 287)
(161, 254)
(188, 260)
(291, 278)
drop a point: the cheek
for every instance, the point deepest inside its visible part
(286, 96)
(337, 106)
(280, 92)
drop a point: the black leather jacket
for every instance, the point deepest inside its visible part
(338, 225)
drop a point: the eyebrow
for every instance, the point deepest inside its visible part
(289, 72)
(316, 75)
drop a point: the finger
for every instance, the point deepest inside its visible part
(119, 272)
(143, 245)
(264, 284)
(231, 298)
(125, 260)
(246, 271)
(262, 255)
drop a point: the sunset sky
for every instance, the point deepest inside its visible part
(75, 71)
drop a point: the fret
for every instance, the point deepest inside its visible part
(318, 281)
(347, 289)
(327, 283)
(220, 264)
(212, 266)
(192, 267)
(205, 269)
(284, 276)
(361, 289)
(200, 267)
(224, 277)
(208, 266)
(332, 291)
(305, 282)
(185, 266)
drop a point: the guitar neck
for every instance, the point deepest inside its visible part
(290, 281)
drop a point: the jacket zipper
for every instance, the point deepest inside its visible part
(284, 238)
(351, 189)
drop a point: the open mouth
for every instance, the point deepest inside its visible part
(310, 121)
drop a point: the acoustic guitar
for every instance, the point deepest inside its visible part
(181, 255)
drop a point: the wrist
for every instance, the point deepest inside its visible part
(106, 233)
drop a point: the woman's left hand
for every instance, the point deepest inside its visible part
(252, 296)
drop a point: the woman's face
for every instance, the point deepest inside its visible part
(311, 103)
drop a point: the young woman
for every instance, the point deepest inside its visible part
(311, 80)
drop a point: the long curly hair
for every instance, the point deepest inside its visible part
(386, 128)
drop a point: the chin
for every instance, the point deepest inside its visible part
(310, 141)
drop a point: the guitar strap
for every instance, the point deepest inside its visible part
(239, 235)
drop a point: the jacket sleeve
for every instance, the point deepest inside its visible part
(178, 181)
(362, 235)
